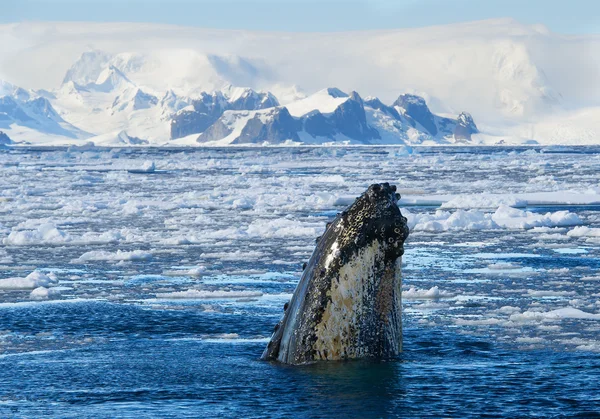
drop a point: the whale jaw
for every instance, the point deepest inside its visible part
(348, 302)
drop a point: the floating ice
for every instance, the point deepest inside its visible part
(33, 280)
(46, 233)
(550, 293)
(42, 293)
(513, 218)
(483, 201)
(102, 255)
(562, 313)
(530, 340)
(196, 271)
(205, 295)
(416, 293)
(583, 231)
(148, 167)
(444, 220)
(32, 233)
(504, 266)
(283, 227)
(504, 217)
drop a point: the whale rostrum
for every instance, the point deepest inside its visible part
(348, 303)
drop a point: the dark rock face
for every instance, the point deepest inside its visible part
(416, 108)
(206, 110)
(375, 103)
(281, 126)
(317, 125)
(275, 125)
(4, 139)
(465, 127)
(209, 108)
(215, 132)
(340, 309)
(350, 120)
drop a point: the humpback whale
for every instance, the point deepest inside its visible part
(348, 301)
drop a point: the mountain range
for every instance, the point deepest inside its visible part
(133, 83)
(106, 106)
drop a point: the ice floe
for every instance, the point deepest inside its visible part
(504, 217)
(416, 293)
(561, 313)
(34, 280)
(119, 255)
(194, 294)
(42, 293)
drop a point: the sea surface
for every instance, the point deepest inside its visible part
(159, 275)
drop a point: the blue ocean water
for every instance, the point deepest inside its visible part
(118, 341)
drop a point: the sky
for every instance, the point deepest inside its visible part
(572, 16)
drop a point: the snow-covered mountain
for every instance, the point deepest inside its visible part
(25, 115)
(167, 84)
(113, 109)
(208, 107)
(331, 116)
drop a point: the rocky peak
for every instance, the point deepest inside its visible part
(4, 139)
(252, 100)
(466, 120)
(375, 103)
(356, 97)
(465, 127)
(416, 109)
(350, 120)
(275, 127)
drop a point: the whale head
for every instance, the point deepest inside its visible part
(348, 301)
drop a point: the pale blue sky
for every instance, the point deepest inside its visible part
(568, 16)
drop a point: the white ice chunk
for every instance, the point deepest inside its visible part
(282, 228)
(43, 293)
(98, 255)
(504, 217)
(197, 271)
(483, 201)
(513, 218)
(148, 167)
(417, 293)
(33, 280)
(204, 295)
(583, 231)
(561, 313)
(46, 233)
